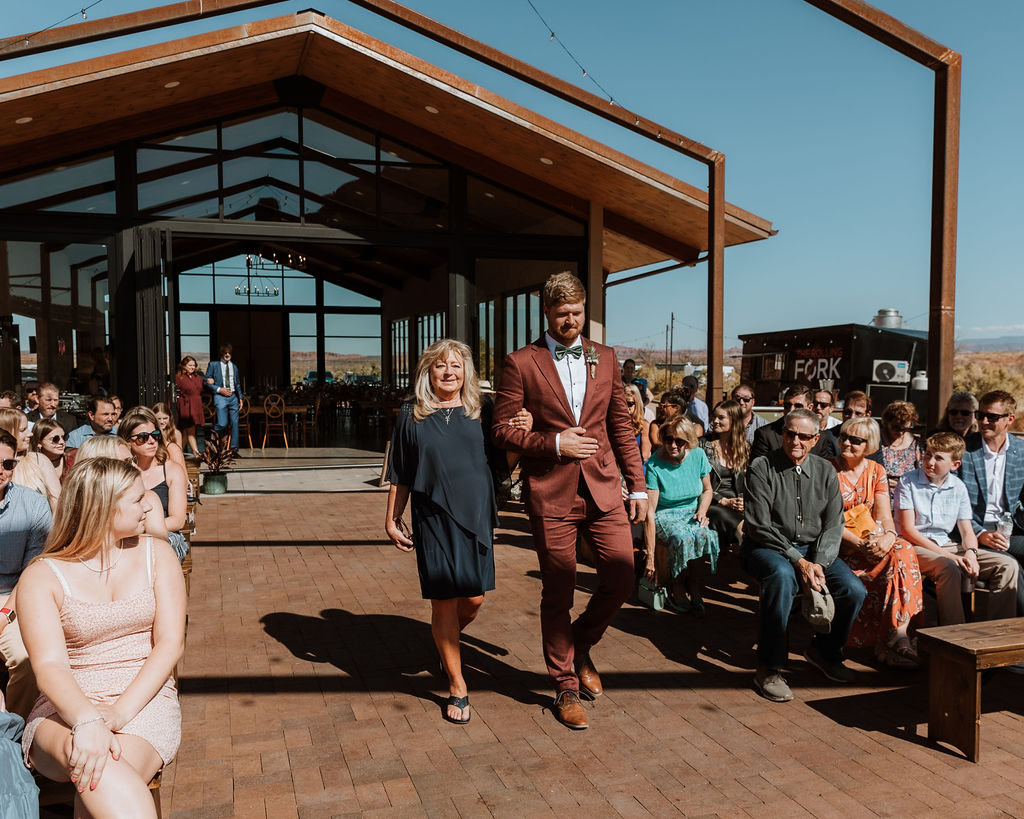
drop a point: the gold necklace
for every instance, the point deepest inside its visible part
(120, 551)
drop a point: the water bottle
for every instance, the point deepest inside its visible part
(877, 532)
(1004, 526)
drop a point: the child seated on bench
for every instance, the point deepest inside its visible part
(931, 504)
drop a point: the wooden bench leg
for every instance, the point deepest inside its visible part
(954, 702)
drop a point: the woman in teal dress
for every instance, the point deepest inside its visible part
(676, 532)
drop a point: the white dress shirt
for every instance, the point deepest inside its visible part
(995, 481)
(573, 373)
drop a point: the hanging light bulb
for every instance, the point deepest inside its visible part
(84, 15)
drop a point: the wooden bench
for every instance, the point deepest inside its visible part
(957, 656)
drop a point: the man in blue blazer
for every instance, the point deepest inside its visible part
(993, 470)
(222, 379)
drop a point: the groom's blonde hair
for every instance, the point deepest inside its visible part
(563, 288)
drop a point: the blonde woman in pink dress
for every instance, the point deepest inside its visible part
(103, 619)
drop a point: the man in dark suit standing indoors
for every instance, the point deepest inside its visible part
(222, 378)
(582, 437)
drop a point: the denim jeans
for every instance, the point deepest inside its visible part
(779, 586)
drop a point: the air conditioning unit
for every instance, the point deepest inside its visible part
(885, 371)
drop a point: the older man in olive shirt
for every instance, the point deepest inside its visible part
(794, 523)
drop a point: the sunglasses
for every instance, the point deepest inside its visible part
(991, 417)
(631, 403)
(56, 438)
(822, 404)
(8, 464)
(682, 443)
(143, 437)
(790, 407)
(803, 436)
(961, 413)
(853, 439)
(743, 399)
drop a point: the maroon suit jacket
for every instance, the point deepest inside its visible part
(529, 379)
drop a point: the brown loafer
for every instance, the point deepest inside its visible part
(590, 682)
(569, 710)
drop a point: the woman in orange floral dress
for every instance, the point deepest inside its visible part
(885, 563)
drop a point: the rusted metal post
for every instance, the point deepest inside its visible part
(716, 280)
(946, 64)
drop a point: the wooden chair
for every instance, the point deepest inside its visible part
(209, 413)
(275, 421)
(243, 421)
(311, 423)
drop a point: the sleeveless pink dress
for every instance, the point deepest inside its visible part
(107, 645)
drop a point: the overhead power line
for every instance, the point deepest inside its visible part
(81, 11)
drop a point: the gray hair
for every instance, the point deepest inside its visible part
(806, 414)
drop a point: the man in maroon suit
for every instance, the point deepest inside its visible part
(582, 437)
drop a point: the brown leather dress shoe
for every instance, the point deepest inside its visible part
(590, 682)
(569, 710)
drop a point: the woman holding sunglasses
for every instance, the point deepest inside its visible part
(33, 471)
(139, 429)
(49, 440)
(885, 563)
(676, 532)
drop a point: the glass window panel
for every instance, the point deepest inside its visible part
(198, 182)
(262, 170)
(536, 315)
(206, 138)
(415, 198)
(300, 291)
(492, 209)
(351, 325)
(151, 159)
(25, 330)
(61, 182)
(341, 197)
(333, 137)
(195, 289)
(367, 347)
(101, 203)
(335, 296)
(262, 133)
(204, 209)
(60, 279)
(394, 152)
(302, 324)
(194, 322)
(196, 346)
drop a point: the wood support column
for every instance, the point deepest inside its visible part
(716, 280)
(595, 275)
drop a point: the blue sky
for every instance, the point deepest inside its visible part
(826, 133)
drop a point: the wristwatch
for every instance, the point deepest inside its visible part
(9, 614)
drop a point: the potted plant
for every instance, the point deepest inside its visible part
(218, 459)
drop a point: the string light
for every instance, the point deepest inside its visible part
(71, 16)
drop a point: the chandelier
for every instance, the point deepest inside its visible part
(259, 286)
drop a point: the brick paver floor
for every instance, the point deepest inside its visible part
(309, 688)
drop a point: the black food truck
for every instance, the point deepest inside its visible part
(888, 363)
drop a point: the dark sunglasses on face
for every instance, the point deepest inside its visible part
(143, 437)
(822, 404)
(991, 417)
(790, 407)
(803, 436)
(682, 443)
(8, 464)
(853, 439)
(631, 403)
(56, 438)
(961, 413)
(744, 399)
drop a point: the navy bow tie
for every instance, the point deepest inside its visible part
(561, 351)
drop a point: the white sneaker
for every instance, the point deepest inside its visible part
(770, 685)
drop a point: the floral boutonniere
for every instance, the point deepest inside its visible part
(593, 356)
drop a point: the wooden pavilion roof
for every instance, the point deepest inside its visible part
(91, 105)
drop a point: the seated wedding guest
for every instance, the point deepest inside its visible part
(9, 399)
(106, 446)
(728, 453)
(33, 472)
(671, 406)
(49, 407)
(856, 404)
(635, 405)
(172, 437)
(743, 394)
(676, 533)
(993, 471)
(102, 417)
(886, 564)
(959, 414)
(103, 619)
(118, 408)
(24, 524)
(824, 403)
(697, 408)
(30, 389)
(793, 525)
(769, 437)
(48, 440)
(901, 449)
(138, 429)
(931, 502)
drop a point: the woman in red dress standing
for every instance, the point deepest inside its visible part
(190, 402)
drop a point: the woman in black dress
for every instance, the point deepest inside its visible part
(438, 460)
(729, 453)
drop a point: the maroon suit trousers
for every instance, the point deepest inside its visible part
(555, 542)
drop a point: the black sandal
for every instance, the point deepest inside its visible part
(458, 702)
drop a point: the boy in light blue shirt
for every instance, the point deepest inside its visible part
(931, 504)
